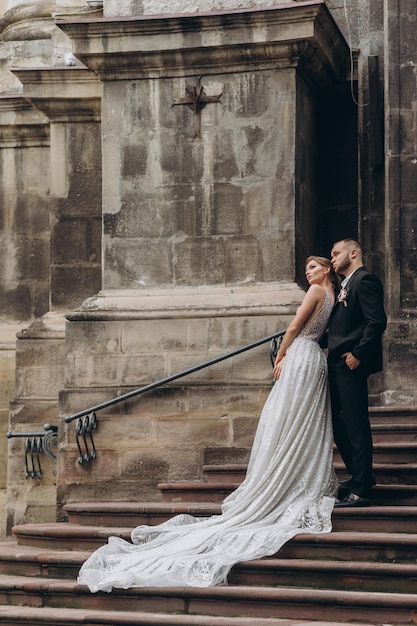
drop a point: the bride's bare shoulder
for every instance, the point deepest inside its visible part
(317, 291)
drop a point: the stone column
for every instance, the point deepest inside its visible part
(25, 31)
(24, 281)
(27, 21)
(401, 199)
(70, 99)
(24, 159)
(29, 37)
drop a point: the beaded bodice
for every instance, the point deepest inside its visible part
(315, 327)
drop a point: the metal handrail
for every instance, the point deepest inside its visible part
(169, 379)
(35, 444)
(87, 419)
(11, 435)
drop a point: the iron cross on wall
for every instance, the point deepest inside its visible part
(196, 99)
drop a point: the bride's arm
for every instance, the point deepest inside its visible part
(312, 301)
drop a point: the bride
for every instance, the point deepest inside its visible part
(289, 488)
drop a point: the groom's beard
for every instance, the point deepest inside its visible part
(343, 266)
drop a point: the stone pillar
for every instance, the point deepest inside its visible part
(70, 100)
(25, 30)
(27, 21)
(205, 209)
(24, 158)
(29, 37)
(8, 333)
(371, 124)
(401, 199)
(40, 356)
(24, 232)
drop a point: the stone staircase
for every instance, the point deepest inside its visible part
(364, 572)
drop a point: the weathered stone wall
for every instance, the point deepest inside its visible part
(206, 210)
(76, 234)
(40, 360)
(201, 231)
(166, 434)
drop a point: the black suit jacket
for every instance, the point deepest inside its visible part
(358, 326)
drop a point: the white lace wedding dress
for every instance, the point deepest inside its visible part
(289, 489)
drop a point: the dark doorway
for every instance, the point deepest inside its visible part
(338, 178)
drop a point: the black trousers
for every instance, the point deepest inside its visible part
(351, 427)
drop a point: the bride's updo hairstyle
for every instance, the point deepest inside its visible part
(325, 262)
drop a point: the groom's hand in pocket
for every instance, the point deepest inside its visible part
(351, 361)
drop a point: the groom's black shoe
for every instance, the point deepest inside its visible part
(352, 500)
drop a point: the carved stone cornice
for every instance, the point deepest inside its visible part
(28, 21)
(190, 302)
(21, 125)
(63, 94)
(298, 34)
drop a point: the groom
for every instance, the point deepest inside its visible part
(356, 326)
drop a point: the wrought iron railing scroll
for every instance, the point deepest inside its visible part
(37, 443)
(84, 434)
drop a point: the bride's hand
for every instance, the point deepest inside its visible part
(278, 369)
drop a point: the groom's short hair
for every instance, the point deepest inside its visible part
(351, 242)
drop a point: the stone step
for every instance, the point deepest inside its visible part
(364, 571)
(387, 473)
(63, 536)
(223, 601)
(225, 473)
(376, 519)
(134, 513)
(20, 560)
(393, 452)
(130, 514)
(196, 491)
(395, 474)
(16, 560)
(314, 574)
(395, 493)
(34, 616)
(352, 546)
(401, 432)
(390, 454)
(337, 545)
(393, 415)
